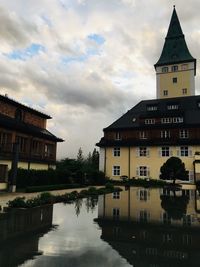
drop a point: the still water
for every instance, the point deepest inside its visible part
(137, 227)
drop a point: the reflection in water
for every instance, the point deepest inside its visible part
(139, 227)
(20, 233)
(152, 227)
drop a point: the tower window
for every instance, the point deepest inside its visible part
(165, 134)
(165, 69)
(184, 91)
(149, 121)
(171, 107)
(175, 68)
(152, 108)
(184, 66)
(165, 92)
(174, 80)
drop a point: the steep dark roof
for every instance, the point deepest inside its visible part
(175, 49)
(13, 124)
(12, 102)
(187, 108)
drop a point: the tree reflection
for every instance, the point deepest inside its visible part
(78, 205)
(91, 203)
(175, 206)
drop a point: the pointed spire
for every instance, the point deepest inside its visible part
(174, 30)
(175, 49)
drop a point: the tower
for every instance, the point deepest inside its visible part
(176, 68)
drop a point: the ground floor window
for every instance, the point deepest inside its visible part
(116, 170)
(142, 171)
(116, 195)
(144, 216)
(165, 152)
(184, 151)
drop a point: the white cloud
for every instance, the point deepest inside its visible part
(84, 85)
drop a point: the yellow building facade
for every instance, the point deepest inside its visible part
(142, 140)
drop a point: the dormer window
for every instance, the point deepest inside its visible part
(175, 68)
(152, 108)
(149, 121)
(172, 107)
(118, 136)
(165, 69)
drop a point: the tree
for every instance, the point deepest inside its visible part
(80, 155)
(173, 169)
(95, 159)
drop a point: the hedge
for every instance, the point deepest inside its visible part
(32, 189)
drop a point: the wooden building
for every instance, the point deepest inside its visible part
(138, 143)
(27, 127)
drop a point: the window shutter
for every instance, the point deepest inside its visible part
(137, 171)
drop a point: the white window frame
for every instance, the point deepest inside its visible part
(165, 134)
(165, 69)
(166, 120)
(116, 151)
(152, 108)
(144, 216)
(165, 92)
(165, 151)
(172, 107)
(184, 91)
(116, 170)
(149, 121)
(118, 136)
(177, 119)
(175, 80)
(143, 135)
(116, 213)
(174, 68)
(142, 171)
(143, 151)
(183, 134)
(184, 151)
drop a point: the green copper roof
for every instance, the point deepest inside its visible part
(175, 49)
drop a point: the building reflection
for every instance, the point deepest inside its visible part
(152, 227)
(20, 231)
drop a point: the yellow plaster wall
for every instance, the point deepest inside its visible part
(185, 79)
(24, 165)
(3, 186)
(154, 161)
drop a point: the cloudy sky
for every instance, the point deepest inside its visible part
(86, 62)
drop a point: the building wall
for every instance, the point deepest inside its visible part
(129, 164)
(185, 79)
(28, 117)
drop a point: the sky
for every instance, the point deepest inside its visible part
(86, 62)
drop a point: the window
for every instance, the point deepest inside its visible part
(49, 150)
(143, 171)
(116, 151)
(184, 151)
(149, 121)
(144, 216)
(166, 120)
(116, 195)
(165, 151)
(172, 107)
(165, 134)
(143, 135)
(152, 108)
(118, 136)
(174, 80)
(175, 68)
(165, 92)
(184, 66)
(116, 170)
(178, 120)
(144, 194)
(22, 141)
(184, 134)
(143, 152)
(184, 91)
(36, 147)
(164, 69)
(116, 213)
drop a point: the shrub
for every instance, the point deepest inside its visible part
(18, 202)
(109, 186)
(51, 187)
